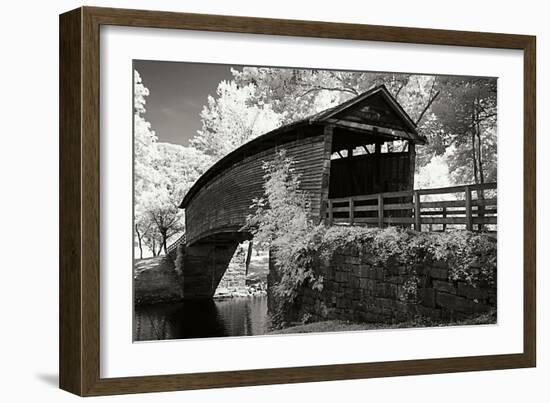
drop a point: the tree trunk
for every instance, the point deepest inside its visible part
(473, 138)
(164, 243)
(480, 192)
(479, 153)
(248, 257)
(474, 158)
(139, 242)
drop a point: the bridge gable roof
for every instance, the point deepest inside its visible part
(373, 111)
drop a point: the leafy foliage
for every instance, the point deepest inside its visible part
(470, 256)
(282, 222)
(232, 119)
(163, 174)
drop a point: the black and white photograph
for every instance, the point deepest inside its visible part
(282, 200)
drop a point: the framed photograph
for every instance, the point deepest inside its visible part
(249, 201)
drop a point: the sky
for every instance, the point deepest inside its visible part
(177, 93)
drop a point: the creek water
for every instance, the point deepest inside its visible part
(245, 316)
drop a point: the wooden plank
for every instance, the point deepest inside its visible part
(355, 198)
(443, 203)
(417, 223)
(456, 189)
(399, 206)
(461, 212)
(366, 220)
(483, 186)
(399, 220)
(380, 211)
(71, 180)
(351, 211)
(441, 220)
(330, 213)
(484, 202)
(339, 209)
(484, 220)
(468, 195)
(401, 193)
(374, 207)
(412, 162)
(458, 203)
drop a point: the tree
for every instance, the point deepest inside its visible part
(232, 119)
(162, 175)
(144, 138)
(297, 93)
(467, 120)
(176, 168)
(144, 155)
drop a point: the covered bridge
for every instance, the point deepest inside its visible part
(364, 146)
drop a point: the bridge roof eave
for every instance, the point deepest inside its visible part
(255, 145)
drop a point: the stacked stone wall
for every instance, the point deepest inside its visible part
(357, 289)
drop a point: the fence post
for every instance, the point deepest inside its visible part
(468, 194)
(417, 222)
(351, 211)
(444, 216)
(330, 217)
(380, 211)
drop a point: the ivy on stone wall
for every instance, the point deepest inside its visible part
(470, 256)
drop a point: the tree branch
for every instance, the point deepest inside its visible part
(430, 102)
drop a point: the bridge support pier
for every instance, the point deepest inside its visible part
(202, 266)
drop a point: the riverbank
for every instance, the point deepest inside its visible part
(156, 280)
(489, 318)
(250, 290)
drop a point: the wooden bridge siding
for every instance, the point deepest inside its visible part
(225, 201)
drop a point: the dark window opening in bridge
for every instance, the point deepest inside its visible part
(363, 169)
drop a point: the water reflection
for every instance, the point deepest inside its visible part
(202, 318)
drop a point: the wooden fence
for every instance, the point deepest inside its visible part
(467, 206)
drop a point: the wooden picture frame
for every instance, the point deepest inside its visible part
(80, 186)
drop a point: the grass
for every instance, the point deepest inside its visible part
(344, 326)
(150, 263)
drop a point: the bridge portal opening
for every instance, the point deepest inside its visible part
(369, 163)
(363, 165)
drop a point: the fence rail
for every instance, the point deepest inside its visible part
(467, 206)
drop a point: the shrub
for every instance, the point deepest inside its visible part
(282, 222)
